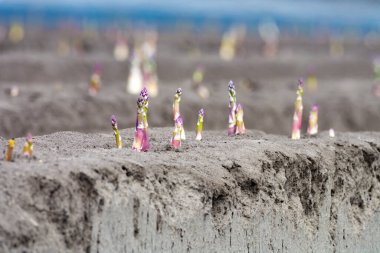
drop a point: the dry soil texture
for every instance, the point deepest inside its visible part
(251, 193)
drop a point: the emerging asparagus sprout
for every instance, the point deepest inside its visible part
(121, 50)
(240, 128)
(135, 78)
(141, 140)
(331, 133)
(203, 92)
(235, 117)
(116, 132)
(297, 118)
(312, 81)
(177, 100)
(176, 112)
(95, 81)
(232, 108)
(177, 133)
(149, 63)
(201, 115)
(27, 150)
(198, 76)
(144, 94)
(228, 46)
(197, 83)
(150, 76)
(9, 151)
(313, 121)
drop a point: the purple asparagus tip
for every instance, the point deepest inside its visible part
(201, 112)
(113, 120)
(179, 120)
(231, 85)
(29, 137)
(315, 107)
(179, 91)
(300, 82)
(144, 94)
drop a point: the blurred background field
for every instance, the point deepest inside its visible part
(51, 55)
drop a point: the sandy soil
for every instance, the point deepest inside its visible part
(251, 193)
(53, 88)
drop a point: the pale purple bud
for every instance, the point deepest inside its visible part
(179, 120)
(113, 120)
(29, 137)
(144, 94)
(201, 112)
(300, 82)
(231, 85)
